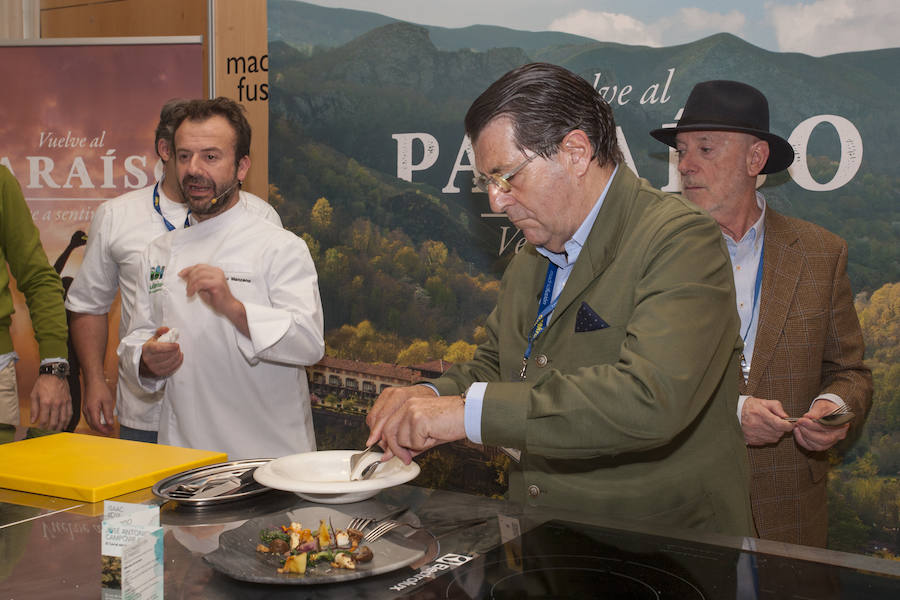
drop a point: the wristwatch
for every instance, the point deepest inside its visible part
(60, 369)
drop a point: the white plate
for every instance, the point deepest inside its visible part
(325, 476)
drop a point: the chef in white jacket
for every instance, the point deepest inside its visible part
(243, 296)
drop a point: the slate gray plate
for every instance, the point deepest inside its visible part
(237, 557)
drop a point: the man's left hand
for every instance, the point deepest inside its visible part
(422, 423)
(210, 284)
(51, 404)
(816, 437)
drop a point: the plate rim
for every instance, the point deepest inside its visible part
(264, 475)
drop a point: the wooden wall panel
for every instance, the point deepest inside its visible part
(241, 49)
(99, 18)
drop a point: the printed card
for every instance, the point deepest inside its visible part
(132, 551)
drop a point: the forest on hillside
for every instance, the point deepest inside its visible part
(864, 486)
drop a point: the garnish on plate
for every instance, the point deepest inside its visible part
(304, 550)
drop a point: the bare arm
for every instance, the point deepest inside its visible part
(89, 336)
(51, 404)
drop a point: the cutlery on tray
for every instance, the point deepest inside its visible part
(213, 487)
(229, 486)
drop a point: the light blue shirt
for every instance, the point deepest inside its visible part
(565, 261)
(745, 261)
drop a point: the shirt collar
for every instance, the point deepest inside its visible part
(572, 248)
(755, 234)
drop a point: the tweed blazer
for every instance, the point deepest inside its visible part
(632, 416)
(808, 343)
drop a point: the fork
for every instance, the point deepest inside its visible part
(387, 525)
(359, 523)
(824, 419)
(383, 527)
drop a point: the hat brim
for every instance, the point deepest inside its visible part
(781, 153)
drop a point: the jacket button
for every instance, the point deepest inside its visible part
(542, 360)
(534, 491)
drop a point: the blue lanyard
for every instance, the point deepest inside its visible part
(169, 226)
(756, 290)
(545, 307)
(745, 366)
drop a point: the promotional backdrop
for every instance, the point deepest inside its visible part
(369, 162)
(78, 130)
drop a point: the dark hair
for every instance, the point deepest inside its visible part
(168, 116)
(201, 110)
(545, 102)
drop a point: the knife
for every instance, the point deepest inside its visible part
(226, 487)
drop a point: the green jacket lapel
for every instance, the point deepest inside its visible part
(601, 244)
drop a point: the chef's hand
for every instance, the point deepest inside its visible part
(763, 421)
(816, 437)
(51, 404)
(210, 284)
(98, 404)
(421, 423)
(160, 359)
(387, 403)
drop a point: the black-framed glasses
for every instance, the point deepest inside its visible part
(483, 182)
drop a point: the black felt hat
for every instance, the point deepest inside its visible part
(730, 106)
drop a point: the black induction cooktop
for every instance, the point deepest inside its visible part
(566, 560)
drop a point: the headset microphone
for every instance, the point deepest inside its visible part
(226, 192)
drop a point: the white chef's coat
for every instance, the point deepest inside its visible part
(121, 229)
(244, 396)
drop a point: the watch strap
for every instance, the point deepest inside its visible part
(60, 369)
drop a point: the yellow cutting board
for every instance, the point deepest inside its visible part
(92, 468)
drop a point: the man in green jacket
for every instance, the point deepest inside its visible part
(21, 250)
(610, 368)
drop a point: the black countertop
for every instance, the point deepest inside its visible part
(50, 548)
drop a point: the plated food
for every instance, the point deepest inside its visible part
(302, 549)
(238, 556)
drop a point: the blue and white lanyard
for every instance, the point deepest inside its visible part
(745, 366)
(169, 226)
(545, 307)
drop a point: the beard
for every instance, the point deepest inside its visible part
(221, 195)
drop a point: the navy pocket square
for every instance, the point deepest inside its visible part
(588, 320)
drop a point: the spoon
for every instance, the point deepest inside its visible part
(369, 470)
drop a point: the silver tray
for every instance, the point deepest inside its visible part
(163, 488)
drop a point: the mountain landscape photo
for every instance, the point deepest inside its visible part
(409, 267)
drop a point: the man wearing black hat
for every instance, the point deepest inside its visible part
(803, 348)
